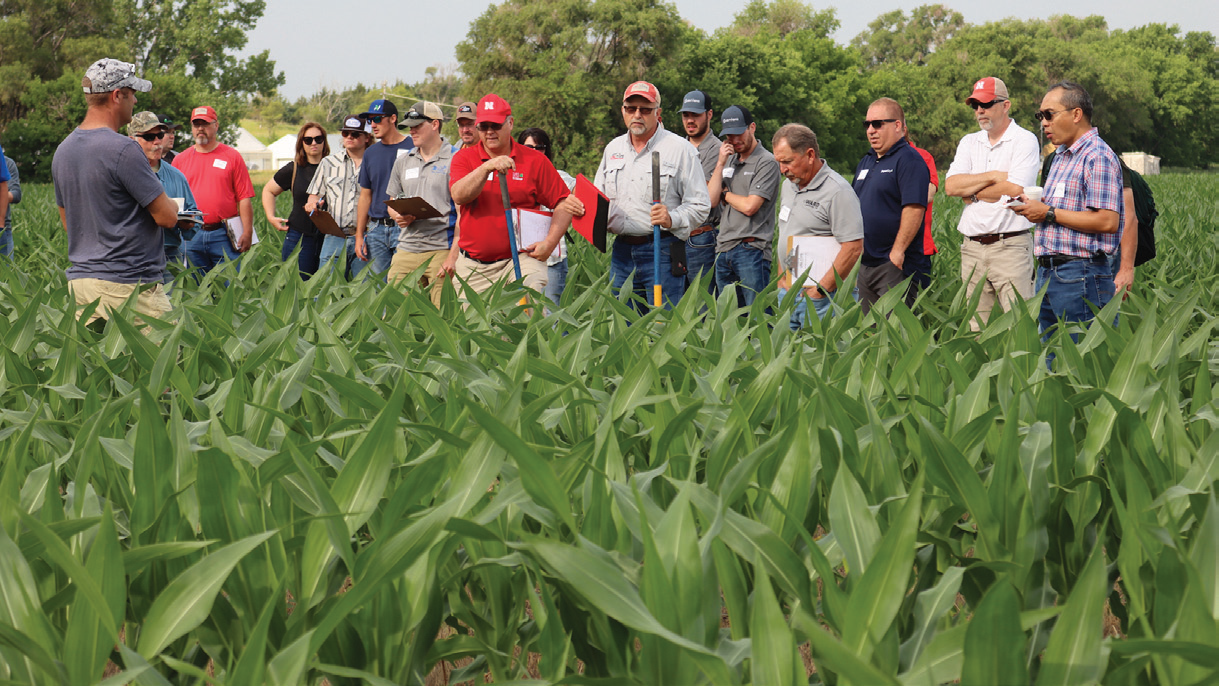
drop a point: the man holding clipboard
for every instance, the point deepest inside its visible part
(818, 214)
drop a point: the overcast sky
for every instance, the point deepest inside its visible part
(376, 54)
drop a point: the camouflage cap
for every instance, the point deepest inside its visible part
(421, 112)
(143, 122)
(107, 74)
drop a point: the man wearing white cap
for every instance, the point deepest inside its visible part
(998, 160)
(111, 204)
(335, 188)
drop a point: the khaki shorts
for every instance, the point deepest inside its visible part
(109, 295)
(481, 276)
(406, 262)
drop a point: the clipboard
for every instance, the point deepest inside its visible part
(326, 223)
(812, 254)
(420, 208)
(592, 225)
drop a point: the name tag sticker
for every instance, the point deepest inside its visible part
(410, 174)
(863, 175)
(1060, 189)
(729, 171)
(491, 176)
(784, 214)
(401, 153)
(220, 164)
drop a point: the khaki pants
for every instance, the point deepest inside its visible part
(406, 262)
(481, 276)
(1001, 269)
(109, 295)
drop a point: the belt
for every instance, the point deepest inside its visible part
(702, 229)
(992, 238)
(1051, 261)
(382, 221)
(750, 239)
(212, 227)
(468, 256)
(635, 240)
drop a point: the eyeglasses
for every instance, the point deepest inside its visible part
(313, 140)
(376, 118)
(351, 134)
(876, 123)
(986, 105)
(535, 146)
(1046, 115)
(199, 123)
(150, 137)
(489, 126)
(632, 109)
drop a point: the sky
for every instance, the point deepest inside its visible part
(286, 25)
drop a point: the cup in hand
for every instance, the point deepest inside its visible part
(1033, 193)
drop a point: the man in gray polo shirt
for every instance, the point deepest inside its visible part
(696, 115)
(746, 183)
(815, 201)
(423, 172)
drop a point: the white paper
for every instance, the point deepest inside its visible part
(220, 164)
(1060, 189)
(181, 203)
(410, 174)
(531, 227)
(815, 254)
(235, 228)
(729, 171)
(785, 213)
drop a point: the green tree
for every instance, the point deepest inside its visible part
(892, 37)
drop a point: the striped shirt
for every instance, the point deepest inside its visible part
(1084, 176)
(337, 182)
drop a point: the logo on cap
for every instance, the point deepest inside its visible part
(199, 112)
(980, 85)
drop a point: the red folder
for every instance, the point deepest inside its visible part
(596, 212)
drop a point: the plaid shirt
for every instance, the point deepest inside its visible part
(1084, 176)
(337, 182)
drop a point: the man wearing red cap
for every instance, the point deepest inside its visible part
(221, 183)
(481, 254)
(625, 176)
(991, 164)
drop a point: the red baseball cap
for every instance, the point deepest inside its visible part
(205, 113)
(493, 109)
(642, 89)
(988, 89)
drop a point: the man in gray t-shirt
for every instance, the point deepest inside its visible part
(696, 114)
(111, 204)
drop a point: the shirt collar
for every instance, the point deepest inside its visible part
(818, 179)
(1084, 141)
(901, 142)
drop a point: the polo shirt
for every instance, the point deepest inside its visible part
(709, 156)
(533, 184)
(625, 176)
(1017, 153)
(884, 185)
(1085, 176)
(412, 177)
(219, 180)
(757, 175)
(826, 206)
(378, 163)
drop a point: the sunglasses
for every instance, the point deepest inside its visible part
(632, 109)
(1046, 115)
(150, 137)
(876, 123)
(352, 134)
(199, 123)
(489, 126)
(535, 147)
(986, 105)
(376, 118)
(313, 140)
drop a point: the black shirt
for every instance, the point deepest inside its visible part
(299, 219)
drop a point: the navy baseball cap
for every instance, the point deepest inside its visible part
(735, 120)
(695, 102)
(381, 107)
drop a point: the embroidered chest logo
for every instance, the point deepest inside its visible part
(812, 203)
(617, 156)
(518, 176)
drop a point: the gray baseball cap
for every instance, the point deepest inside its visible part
(108, 74)
(735, 120)
(143, 122)
(695, 102)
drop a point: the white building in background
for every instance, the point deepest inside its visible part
(256, 155)
(1141, 162)
(282, 151)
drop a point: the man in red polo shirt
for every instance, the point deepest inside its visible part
(481, 254)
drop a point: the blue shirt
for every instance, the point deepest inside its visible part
(3, 168)
(176, 186)
(884, 185)
(375, 172)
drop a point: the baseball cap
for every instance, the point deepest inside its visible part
(493, 109)
(735, 120)
(143, 122)
(642, 89)
(353, 122)
(206, 113)
(695, 102)
(108, 74)
(988, 89)
(381, 107)
(465, 111)
(420, 112)
(169, 124)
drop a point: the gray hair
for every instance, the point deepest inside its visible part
(1074, 96)
(799, 138)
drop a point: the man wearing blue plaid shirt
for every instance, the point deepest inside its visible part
(1080, 214)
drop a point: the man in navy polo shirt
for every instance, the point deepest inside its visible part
(892, 187)
(376, 229)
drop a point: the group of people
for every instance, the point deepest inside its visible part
(722, 202)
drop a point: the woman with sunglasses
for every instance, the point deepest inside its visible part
(311, 147)
(556, 264)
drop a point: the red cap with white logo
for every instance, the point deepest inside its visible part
(493, 109)
(642, 89)
(988, 89)
(205, 113)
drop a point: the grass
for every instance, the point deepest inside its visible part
(592, 492)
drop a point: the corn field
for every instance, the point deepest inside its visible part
(297, 482)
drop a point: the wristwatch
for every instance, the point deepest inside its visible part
(973, 198)
(1049, 215)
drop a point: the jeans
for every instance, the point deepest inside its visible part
(310, 254)
(700, 259)
(209, 248)
(334, 248)
(381, 242)
(557, 281)
(626, 259)
(1069, 288)
(824, 307)
(746, 266)
(6, 242)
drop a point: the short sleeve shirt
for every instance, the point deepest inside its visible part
(885, 185)
(298, 219)
(413, 177)
(1017, 153)
(533, 184)
(1085, 176)
(756, 175)
(625, 176)
(337, 181)
(219, 180)
(103, 182)
(375, 171)
(826, 206)
(709, 156)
